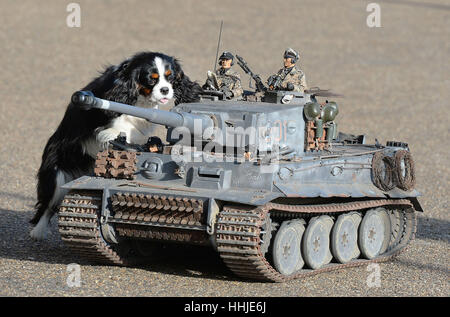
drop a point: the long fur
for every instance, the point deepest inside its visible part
(70, 151)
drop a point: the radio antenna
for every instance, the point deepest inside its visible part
(218, 45)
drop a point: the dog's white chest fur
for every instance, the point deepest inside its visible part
(137, 130)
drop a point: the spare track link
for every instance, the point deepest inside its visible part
(239, 231)
(78, 221)
(116, 164)
(159, 217)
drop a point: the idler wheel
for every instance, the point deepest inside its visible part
(374, 233)
(316, 242)
(404, 168)
(344, 237)
(286, 250)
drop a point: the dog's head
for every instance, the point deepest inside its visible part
(156, 76)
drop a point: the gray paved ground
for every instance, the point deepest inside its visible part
(395, 79)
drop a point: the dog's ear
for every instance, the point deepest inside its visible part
(125, 86)
(185, 89)
(123, 66)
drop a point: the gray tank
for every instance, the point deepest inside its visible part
(270, 185)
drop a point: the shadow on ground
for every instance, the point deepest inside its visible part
(434, 229)
(174, 259)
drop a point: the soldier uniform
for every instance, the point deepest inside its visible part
(228, 81)
(292, 78)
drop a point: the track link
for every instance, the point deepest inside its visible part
(238, 235)
(159, 217)
(116, 164)
(78, 221)
(240, 232)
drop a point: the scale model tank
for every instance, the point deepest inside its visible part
(271, 186)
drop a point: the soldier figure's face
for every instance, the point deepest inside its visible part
(288, 62)
(225, 63)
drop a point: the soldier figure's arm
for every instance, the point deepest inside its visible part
(236, 88)
(211, 81)
(295, 82)
(208, 84)
(303, 85)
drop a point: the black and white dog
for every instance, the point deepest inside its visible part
(70, 152)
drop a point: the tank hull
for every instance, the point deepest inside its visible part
(273, 190)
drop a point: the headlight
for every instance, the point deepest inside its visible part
(311, 110)
(329, 112)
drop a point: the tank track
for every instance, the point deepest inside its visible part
(79, 227)
(239, 232)
(172, 218)
(157, 208)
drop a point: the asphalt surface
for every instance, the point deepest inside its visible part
(395, 79)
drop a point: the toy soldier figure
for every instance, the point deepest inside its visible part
(224, 79)
(289, 77)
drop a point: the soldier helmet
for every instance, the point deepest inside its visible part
(293, 54)
(227, 55)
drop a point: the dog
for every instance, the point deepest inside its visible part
(148, 77)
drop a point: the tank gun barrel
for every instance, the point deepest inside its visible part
(87, 100)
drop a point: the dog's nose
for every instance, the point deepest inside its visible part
(164, 90)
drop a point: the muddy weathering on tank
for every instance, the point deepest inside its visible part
(270, 184)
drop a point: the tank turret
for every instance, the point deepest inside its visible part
(258, 128)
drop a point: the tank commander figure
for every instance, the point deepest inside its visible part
(290, 77)
(224, 79)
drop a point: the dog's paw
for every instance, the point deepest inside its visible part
(39, 232)
(104, 136)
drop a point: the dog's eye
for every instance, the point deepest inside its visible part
(168, 72)
(155, 76)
